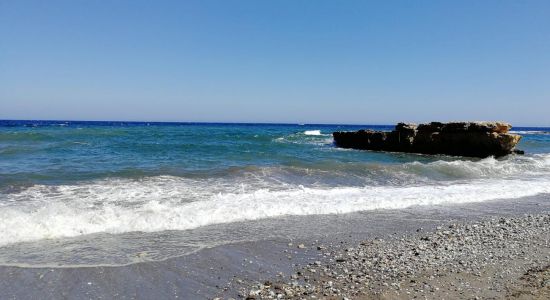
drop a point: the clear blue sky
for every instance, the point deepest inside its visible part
(276, 61)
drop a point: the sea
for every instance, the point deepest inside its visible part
(75, 193)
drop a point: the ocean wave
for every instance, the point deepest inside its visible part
(24, 136)
(527, 132)
(377, 173)
(172, 203)
(311, 137)
(312, 132)
(535, 164)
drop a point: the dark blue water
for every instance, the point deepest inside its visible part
(52, 152)
(58, 152)
(62, 180)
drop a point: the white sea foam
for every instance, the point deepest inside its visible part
(526, 132)
(306, 137)
(524, 165)
(172, 203)
(312, 132)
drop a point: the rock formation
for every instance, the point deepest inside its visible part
(475, 139)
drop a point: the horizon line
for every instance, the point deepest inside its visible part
(237, 123)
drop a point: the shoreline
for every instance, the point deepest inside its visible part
(506, 257)
(228, 270)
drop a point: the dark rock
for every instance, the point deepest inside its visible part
(476, 139)
(454, 127)
(517, 151)
(405, 127)
(430, 127)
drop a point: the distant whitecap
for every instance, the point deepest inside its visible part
(312, 132)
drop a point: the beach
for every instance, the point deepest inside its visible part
(502, 257)
(495, 249)
(251, 150)
(204, 211)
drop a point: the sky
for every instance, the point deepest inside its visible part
(295, 61)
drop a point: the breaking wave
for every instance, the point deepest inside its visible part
(527, 132)
(515, 165)
(312, 132)
(172, 203)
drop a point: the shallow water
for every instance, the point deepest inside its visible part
(79, 190)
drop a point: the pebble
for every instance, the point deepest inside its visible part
(377, 266)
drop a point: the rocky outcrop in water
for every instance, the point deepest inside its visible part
(475, 139)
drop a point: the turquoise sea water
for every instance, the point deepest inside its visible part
(61, 181)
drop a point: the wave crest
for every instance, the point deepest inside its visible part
(172, 203)
(312, 132)
(536, 164)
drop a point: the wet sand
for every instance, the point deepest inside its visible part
(505, 257)
(233, 270)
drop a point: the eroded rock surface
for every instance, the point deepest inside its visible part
(476, 139)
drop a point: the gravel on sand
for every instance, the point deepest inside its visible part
(507, 257)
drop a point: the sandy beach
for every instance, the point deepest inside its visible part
(492, 259)
(494, 249)
(247, 150)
